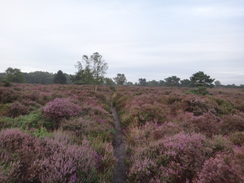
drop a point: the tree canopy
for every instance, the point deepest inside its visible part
(201, 79)
(60, 78)
(39, 77)
(14, 75)
(91, 70)
(172, 81)
(120, 79)
(142, 81)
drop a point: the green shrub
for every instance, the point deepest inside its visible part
(6, 83)
(237, 138)
(199, 91)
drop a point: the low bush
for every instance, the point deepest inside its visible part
(6, 83)
(199, 91)
(232, 123)
(25, 158)
(223, 168)
(237, 138)
(87, 127)
(173, 159)
(207, 124)
(60, 108)
(7, 95)
(16, 109)
(219, 144)
(224, 107)
(195, 105)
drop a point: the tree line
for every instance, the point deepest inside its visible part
(92, 70)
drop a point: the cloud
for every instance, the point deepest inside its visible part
(139, 38)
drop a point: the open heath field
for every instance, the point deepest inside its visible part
(69, 133)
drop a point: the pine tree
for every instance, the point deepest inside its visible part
(59, 78)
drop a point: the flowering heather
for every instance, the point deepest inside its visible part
(196, 105)
(233, 122)
(25, 158)
(16, 109)
(18, 152)
(176, 159)
(223, 168)
(82, 127)
(207, 124)
(65, 162)
(60, 108)
(170, 134)
(7, 95)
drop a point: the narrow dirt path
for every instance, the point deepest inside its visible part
(119, 150)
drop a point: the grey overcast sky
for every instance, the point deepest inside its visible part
(151, 39)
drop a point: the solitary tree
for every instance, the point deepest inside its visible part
(120, 79)
(93, 69)
(60, 78)
(172, 81)
(14, 75)
(84, 75)
(200, 79)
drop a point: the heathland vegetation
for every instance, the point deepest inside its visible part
(65, 133)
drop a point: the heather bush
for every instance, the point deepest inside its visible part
(173, 99)
(60, 108)
(142, 135)
(30, 103)
(223, 168)
(173, 159)
(7, 95)
(219, 144)
(142, 111)
(82, 127)
(31, 95)
(195, 105)
(142, 170)
(151, 112)
(232, 123)
(18, 152)
(66, 162)
(105, 155)
(241, 106)
(237, 138)
(97, 113)
(223, 106)
(16, 109)
(79, 126)
(126, 119)
(207, 124)
(100, 139)
(25, 158)
(102, 98)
